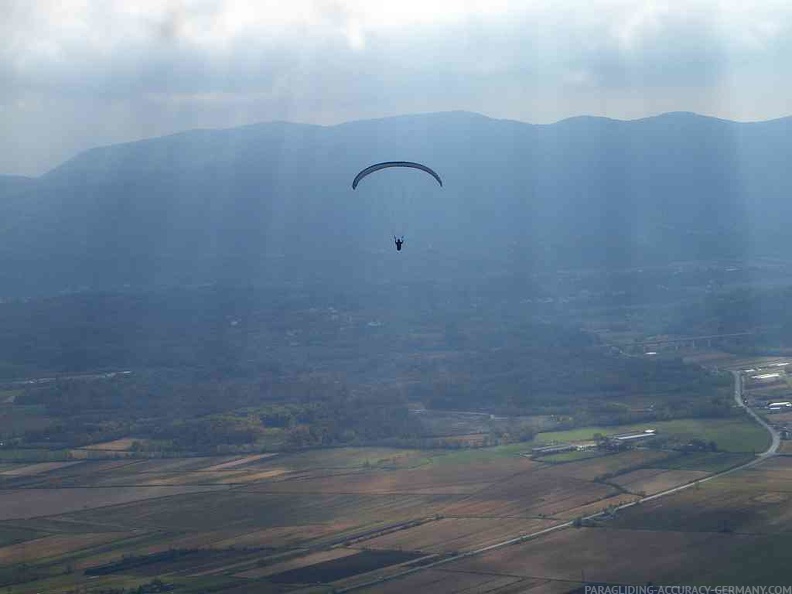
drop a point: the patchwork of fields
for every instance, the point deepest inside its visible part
(731, 530)
(338, 518)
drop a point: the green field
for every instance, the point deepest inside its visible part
(315, 501)
(34, 455)
(481, 454)
(12, 534)
(571, 456)
(733, 434)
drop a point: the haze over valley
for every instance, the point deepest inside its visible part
(272, 202)
(542, 344)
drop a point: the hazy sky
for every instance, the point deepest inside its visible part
(76, 74)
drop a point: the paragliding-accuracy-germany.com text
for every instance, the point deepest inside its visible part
(601, 589)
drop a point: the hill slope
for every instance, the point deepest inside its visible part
(272, 202)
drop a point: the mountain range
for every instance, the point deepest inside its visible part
(272, 202)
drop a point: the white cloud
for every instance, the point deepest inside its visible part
(105, 70)
(640, 25)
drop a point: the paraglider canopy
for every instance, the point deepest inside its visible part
(386, 164)
(401, 195)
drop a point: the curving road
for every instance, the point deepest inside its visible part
(738, 397)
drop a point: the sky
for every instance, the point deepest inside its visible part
(75, 74)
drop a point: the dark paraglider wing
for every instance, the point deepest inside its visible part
(386, 164)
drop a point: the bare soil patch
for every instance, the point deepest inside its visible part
(431, 479)
(456, 534)
(29, 503)
(53, 546)
(117, 445)
(241, 510)
(543, 492)
(340, 568)
(304, 561)
(34, 469)
(613, 464)
(606, 555)
(651, 480)
(240, 462)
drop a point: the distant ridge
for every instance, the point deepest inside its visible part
(270, 202)
(450, 116)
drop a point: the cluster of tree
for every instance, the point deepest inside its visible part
(335, 421)
(179, 412)
(764, 311)
(238, 367)
(74, 432)
(220, 415)
(586, 384)
(181, 394)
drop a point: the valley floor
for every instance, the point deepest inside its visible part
(337, 519)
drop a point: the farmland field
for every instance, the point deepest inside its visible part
(737, 434)
(54, 545)
(531, 495)
(651, 481)
(755, 500)
(706, 461)
(247, 510)
(11, 534)
(29, 503)
(262, 522)
(614, 556)
(15, 418)
(783, 417)
(426, 479)
(456, 534)
(305, 561)
(342, 567)
(735, 529)
(651, 547)
(33, 469)
(445, 581)
(573, 456)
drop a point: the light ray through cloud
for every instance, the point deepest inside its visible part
(74, 74)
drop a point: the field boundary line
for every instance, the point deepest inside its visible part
(770, 452)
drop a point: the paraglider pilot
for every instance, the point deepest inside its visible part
(386, 164)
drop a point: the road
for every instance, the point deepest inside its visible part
(738, 397)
